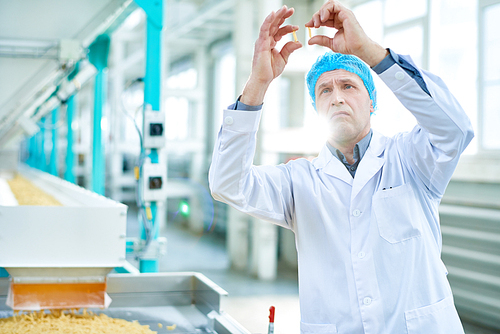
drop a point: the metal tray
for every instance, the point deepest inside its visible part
(189, 300)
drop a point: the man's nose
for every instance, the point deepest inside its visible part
(337, 97)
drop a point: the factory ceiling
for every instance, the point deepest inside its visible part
(37, 40)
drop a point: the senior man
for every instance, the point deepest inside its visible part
(365, 211)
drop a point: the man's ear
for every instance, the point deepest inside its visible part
(372, 110)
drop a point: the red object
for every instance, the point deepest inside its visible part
(271, 314)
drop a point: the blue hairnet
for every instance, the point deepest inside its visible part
(334, 61)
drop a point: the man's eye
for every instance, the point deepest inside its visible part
(348, 86)
(324, 91)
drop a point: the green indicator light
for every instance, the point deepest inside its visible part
(184, 208)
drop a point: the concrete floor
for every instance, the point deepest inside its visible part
(248, 299)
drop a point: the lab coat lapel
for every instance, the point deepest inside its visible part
(371, 163)
(332, 166)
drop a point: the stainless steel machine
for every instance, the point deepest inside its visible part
(188, 302)
(62, 256)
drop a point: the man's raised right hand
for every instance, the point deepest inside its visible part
(268, 63)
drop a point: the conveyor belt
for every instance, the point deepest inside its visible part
(188, 300)
(187, 319)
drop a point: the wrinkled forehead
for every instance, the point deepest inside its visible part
(338, 75)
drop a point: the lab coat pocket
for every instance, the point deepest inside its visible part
(438, 318)
(317, 328)
(398, 214)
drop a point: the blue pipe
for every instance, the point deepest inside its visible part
(32, 151)
(152, 97)
(34, 160)
(70, 156)
(98, 56)
(53, 153)
(98, 168)
(41, 162)
(152, 81)
(3, 272)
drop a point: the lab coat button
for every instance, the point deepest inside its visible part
(356, 213)
(361, 255)
(399, 75)
(367, 301)
(228, 120)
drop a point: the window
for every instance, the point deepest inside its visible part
(370, 16)
(391, 24)
(402, 11)
(178, 108)
(177, 118)
(453, 53)
(407, 41)
(489, 75)
(458, 40)
(224, 83)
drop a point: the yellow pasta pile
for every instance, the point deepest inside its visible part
(27, 193)
(69, 322)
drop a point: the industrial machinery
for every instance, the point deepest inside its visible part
(60, 257)
(72, 255)
(189, 301)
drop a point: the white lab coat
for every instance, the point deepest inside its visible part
(369, 247)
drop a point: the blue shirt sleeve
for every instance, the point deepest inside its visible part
(244, 107)
(394, 58)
